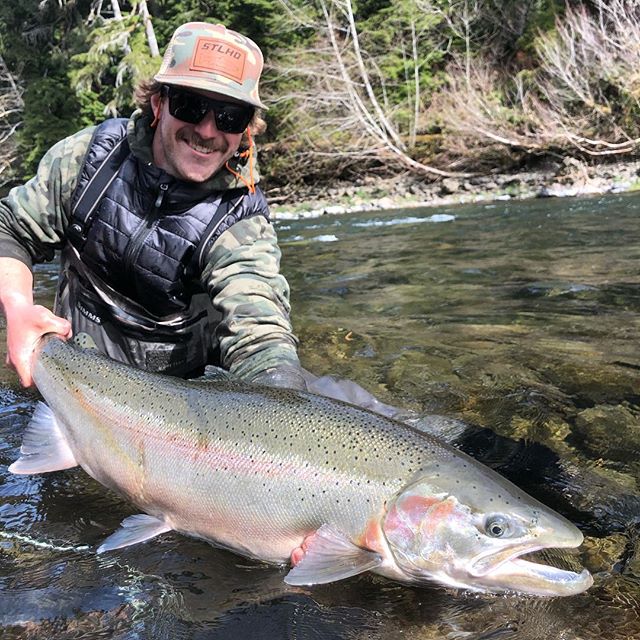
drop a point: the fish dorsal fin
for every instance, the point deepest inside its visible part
(44, 446)
(134, 529)
(330, 556)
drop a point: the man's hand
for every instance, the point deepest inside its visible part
(348, 391)
(297, 377)
(289, 376)
(26, 322)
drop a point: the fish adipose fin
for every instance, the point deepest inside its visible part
(329, 556)
(134, 529)
(44, 447)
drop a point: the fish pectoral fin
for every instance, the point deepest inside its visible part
(329, 556)
(134, 529)
(44, 446)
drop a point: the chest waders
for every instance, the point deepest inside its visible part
(181, 343)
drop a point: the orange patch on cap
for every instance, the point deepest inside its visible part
(219, 56)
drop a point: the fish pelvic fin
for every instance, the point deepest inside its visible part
(134, 529)
(330, 556)
(44, 446)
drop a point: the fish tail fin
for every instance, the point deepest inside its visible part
(44, 446)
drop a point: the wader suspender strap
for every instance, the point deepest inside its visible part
(229, 202)
(126, 311)
(85, 205)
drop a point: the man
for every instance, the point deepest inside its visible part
(169, 261)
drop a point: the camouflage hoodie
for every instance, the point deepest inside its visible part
(242, 267)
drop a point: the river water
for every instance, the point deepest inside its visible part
(520, 319)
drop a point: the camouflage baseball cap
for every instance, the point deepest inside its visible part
(213, 58)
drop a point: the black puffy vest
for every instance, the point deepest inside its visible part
(144, 232)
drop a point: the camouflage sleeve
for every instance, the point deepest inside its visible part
(243, 278)
(34, 216)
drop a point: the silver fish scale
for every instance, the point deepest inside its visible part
(250, 468)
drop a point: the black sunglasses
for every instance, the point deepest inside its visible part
(193, 107)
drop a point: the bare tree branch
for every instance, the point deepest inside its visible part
(115, 7)
(584, 97)
(148, 27)
(344, 103)
(11, 107)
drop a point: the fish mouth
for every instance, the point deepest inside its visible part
(514, 573)
(533, 578)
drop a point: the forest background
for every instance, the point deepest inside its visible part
(356, 88)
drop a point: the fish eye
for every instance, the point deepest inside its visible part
(497, 526)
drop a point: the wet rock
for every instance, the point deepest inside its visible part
(602, 554)
(544, 192)
(513, 182)
(422, 377)
(580, 375)
(557, 190)
(449, 186)
(334, 209)
(546, 165)
(386, 203)
(611, 432)
(621, 187)
(633, 565)
(405, 190)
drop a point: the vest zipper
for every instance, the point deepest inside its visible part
(144, 229)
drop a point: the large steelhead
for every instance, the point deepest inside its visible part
(282, 475)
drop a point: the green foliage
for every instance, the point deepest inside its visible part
(253, 18)
(79, 68)
(542, 18)
(505, 30)
(50, 115)
(389, 36)
(35, 37)
(30, 32)
(91, 108)
(106, 73)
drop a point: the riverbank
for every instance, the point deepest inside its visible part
(553, 180)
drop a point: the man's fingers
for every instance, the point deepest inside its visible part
(26, 380)
(22, 369)
(48, 322)
(63, 329)
(24, 333)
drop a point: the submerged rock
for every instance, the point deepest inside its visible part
(611, 432)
